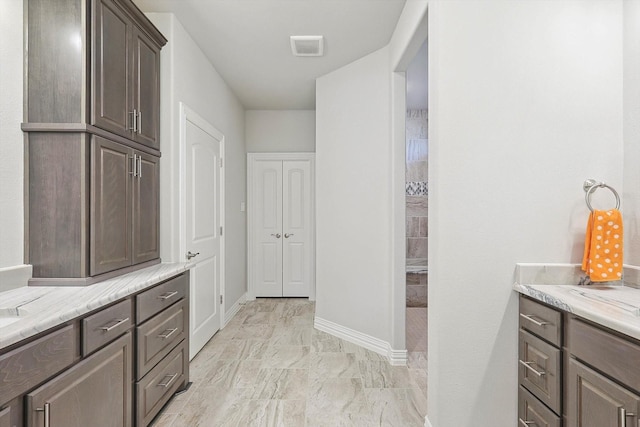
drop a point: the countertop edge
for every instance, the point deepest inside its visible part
(50, 306)
(625, 324)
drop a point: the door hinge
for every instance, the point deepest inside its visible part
(221, 299)
(221, 231)
(220, 161)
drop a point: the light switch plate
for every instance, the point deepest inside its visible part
(243, 206)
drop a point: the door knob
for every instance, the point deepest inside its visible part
(192, 255)
(287, 235)
(277, 235)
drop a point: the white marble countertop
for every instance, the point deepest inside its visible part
(613, 305)
(39, 308)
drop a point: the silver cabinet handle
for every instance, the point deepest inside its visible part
(167, 383)
(277, 235)
(115, 325)
(622, 417)
(139, 166)
(192, 255)
(167, 295)
(532, 369)
(287, 235)
(47, 414)
(530, 318)
(139, 122)
(133, 165)
(134, 121)
(526, 423)
(168, 334)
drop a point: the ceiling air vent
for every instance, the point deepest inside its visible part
(307, 45)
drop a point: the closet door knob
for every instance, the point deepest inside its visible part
(277, 235)
(287, 235)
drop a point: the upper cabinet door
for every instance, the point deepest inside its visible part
(146, 89)
(111, 84)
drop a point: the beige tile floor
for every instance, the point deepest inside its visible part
(270, 367)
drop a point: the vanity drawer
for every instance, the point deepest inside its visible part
(612, 355)
(533, 413)
(541, 320)
(159, 335)
(539, 369)
(106, 325)
(160, 297)
(27, 366)
(159, 384)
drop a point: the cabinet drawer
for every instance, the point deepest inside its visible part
(541, 320)
(29, 365)
(611, 354)
(539, 369)
(106, 325)
(158, 386)
(160, 297)
(533, 413)
(159, 335)
(5, 417)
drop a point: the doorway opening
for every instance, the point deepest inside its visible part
(417, 205)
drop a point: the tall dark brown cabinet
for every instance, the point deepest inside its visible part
(92, 115)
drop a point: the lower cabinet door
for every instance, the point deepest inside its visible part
(96, 392)
(5, 417)
(595, 401)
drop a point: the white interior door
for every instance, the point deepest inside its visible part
(281, 225)
(296, 228)
(267, 228)
(203, 221)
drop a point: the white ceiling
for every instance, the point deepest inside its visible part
(247, 41)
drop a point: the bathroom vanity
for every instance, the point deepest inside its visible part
(111, 354)
(579, 355)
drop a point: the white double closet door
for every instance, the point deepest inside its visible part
(281, 229)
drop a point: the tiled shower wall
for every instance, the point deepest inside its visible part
(417, 171)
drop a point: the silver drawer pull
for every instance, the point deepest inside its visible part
(47, 414)
(622, 417)
(527, 423)
(167, 383)
(166, 335)
(168, 295)
(530, 318)
(529, 367)
(115, 325)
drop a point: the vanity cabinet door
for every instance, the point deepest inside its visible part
(5, 417)
(595, 401)
(110, 206)
(96, 392)
(146, 208)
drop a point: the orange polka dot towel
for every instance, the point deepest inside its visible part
(603, 246)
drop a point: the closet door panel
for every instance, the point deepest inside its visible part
(297, 228)
(267, 227)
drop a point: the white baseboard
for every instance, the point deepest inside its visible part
(15, 276)
(235, 308)
(396, 357)
(427, 423)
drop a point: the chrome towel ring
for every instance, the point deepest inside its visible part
(591, 185)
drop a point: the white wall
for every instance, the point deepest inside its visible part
(353, 177)
(631, 129)
(188, 77)
(526, 102)
(280, 131)
(11, 138)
